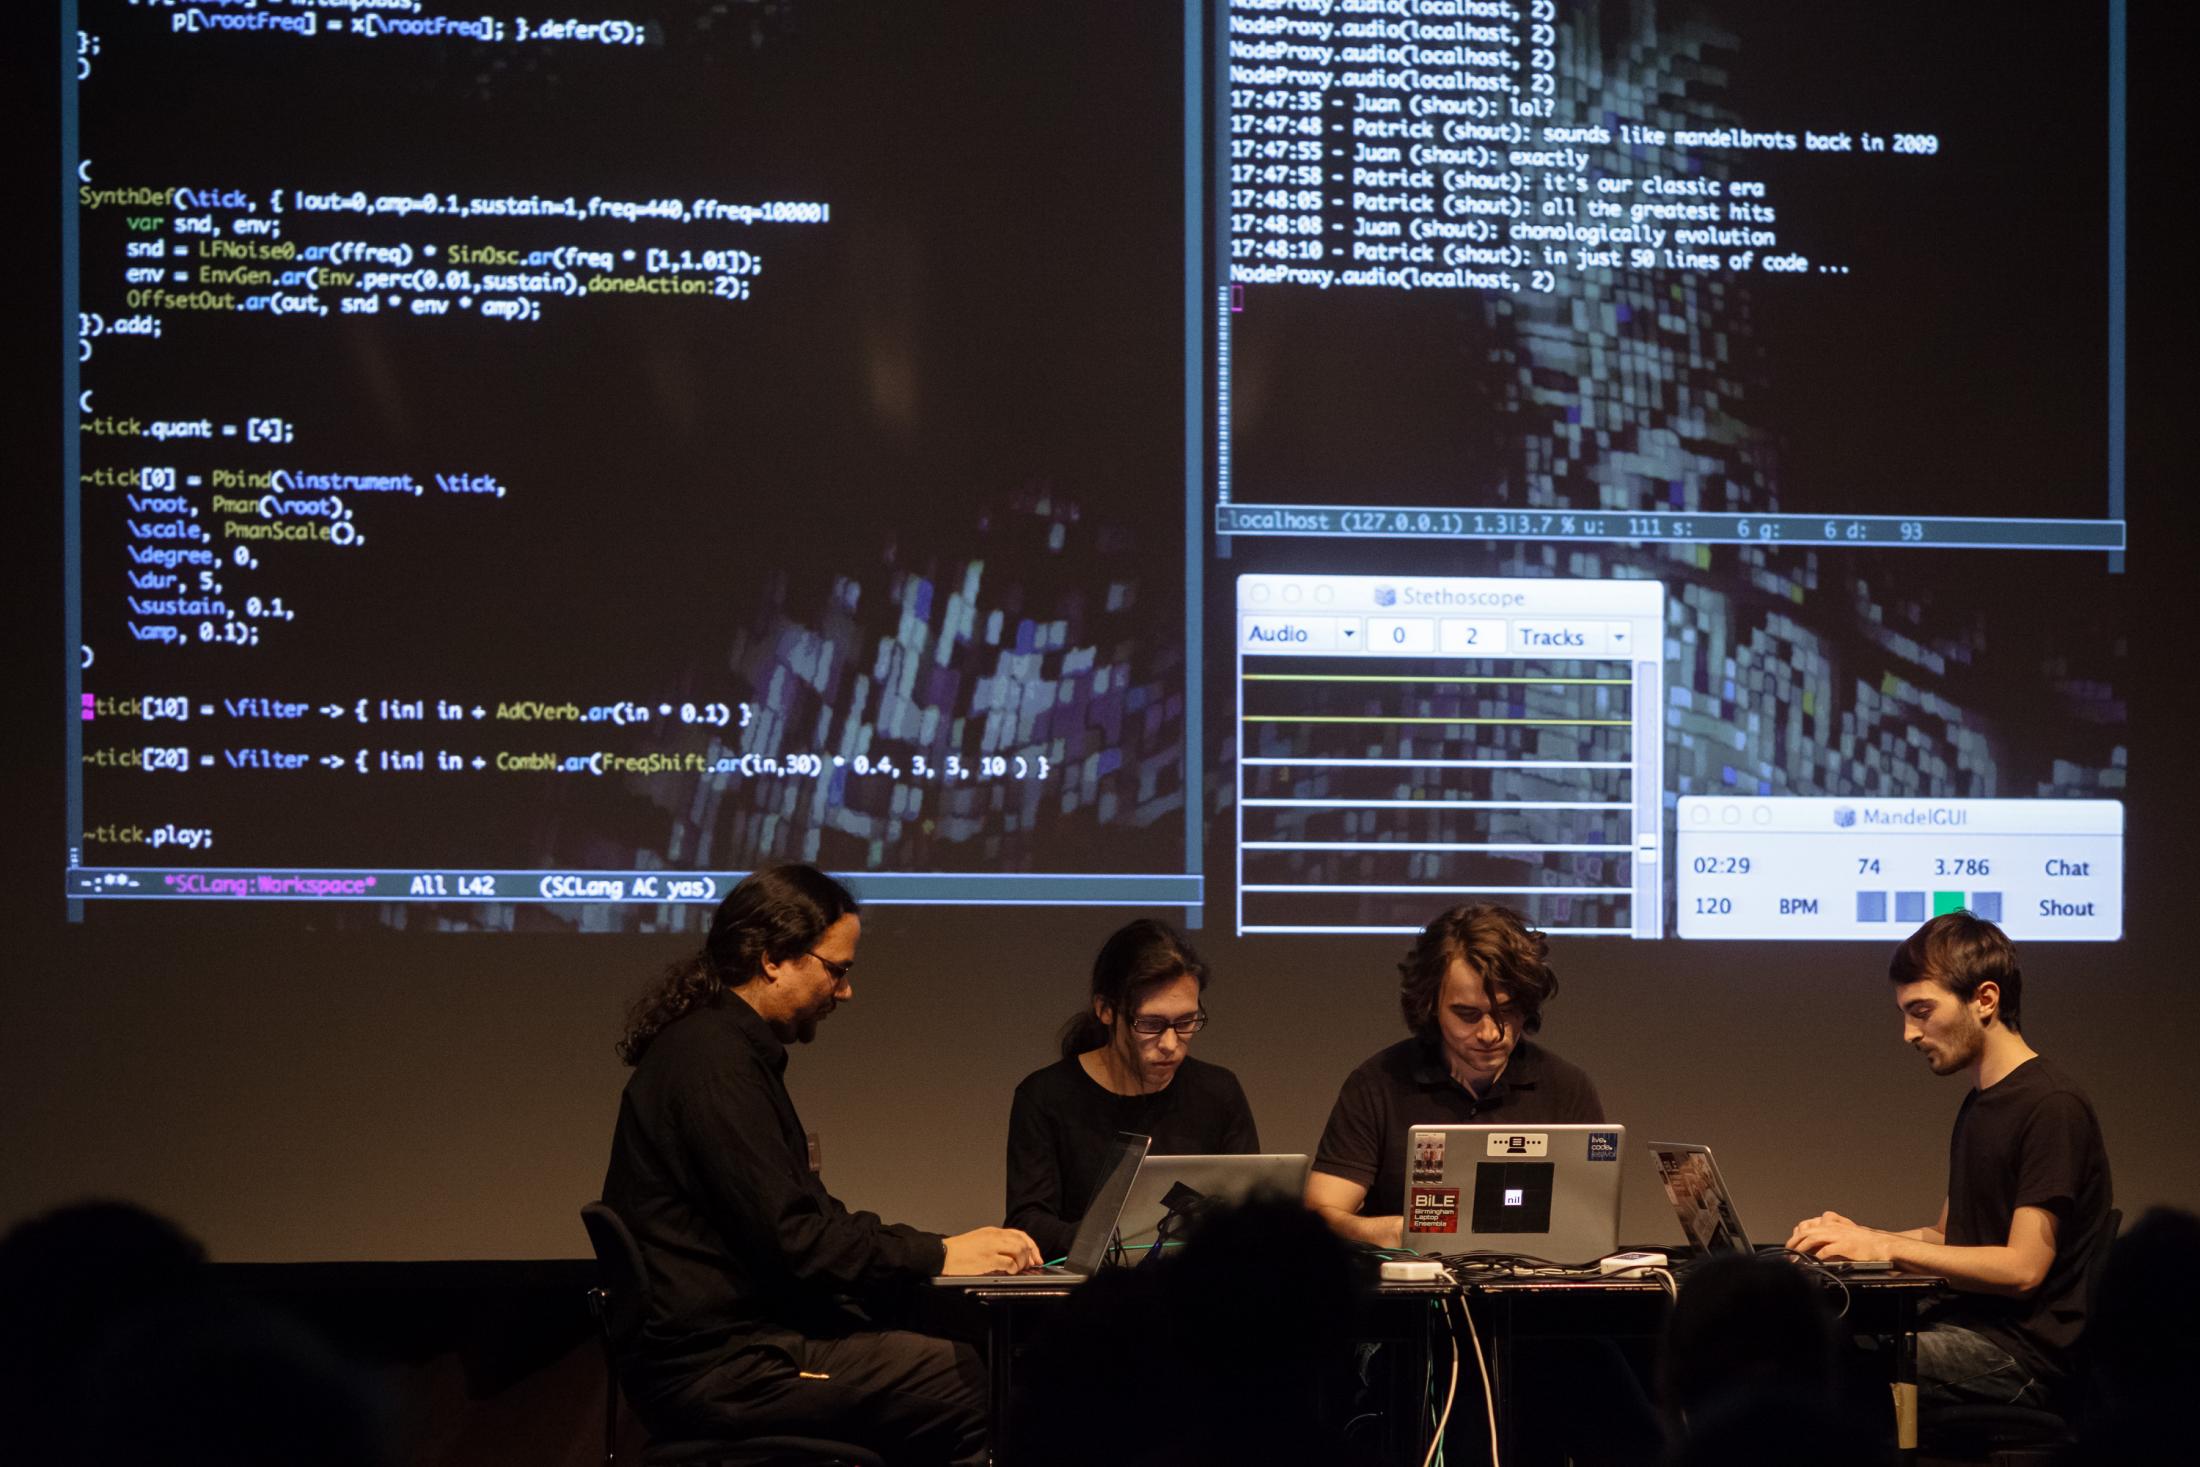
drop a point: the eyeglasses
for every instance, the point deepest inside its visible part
(840, 971)
(1150, 1026)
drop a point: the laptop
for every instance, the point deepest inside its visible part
(1187, 1185)
(1088, 1250)
(1549, 1192)
(1699, 1194)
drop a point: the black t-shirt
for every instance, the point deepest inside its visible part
(1063, 1121)
(710, 1171)
(2029, 1140)
(1409, 1085)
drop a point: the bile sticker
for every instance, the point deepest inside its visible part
(1433, 1210)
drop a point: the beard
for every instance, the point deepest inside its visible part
(801, 1029)
(1960, 1049)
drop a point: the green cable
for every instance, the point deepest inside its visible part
(1127, 1248)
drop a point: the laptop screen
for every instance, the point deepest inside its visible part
(1199, 1181)
(1698, 1194)
(1089, 1249)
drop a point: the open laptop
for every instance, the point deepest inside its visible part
(1708, 1216)
(1089, 1248)
(1549, 1192)
(1206, 1181)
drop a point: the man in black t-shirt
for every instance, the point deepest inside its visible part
(1471, 991)
(2028, 1184)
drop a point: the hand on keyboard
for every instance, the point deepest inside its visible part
(991, 1250)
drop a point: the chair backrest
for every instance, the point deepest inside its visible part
(2070, 1398)
(2097, 1265)
(620, 1281)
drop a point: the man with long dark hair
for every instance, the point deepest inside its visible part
(772, 1303)
(1126, 1065)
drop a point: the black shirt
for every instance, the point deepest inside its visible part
(1409, 1085)
(1062, 1122)
(2029, 1140)
(710, 1171)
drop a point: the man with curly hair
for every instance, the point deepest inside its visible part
(772, 1305)
(1471, 991)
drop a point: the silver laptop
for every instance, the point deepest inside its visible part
(1205, 1181)
(1088, 1250)
(1708, 1216)
(1699, 1195)
(1548, 1192)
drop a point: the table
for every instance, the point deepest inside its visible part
(1541, 1305)
(1510, 1309)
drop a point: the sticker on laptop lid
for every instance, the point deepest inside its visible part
(1604, 1146)
(1433, 1210)
(1519, 1143)
(1428, 1156)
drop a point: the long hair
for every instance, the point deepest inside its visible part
(774, 915)
(1135, 959)
(1497, 943)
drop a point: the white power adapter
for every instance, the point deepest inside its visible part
(1630, 1263)
(1412, 1271)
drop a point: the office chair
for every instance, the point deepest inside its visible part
(2015, 1436)
(620, 1302)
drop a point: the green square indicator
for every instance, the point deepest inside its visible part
(1947, 901)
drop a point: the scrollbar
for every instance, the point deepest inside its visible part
(1648, 775)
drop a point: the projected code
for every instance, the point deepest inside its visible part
(1584, 181)
(1408, 744)
(551, 320)
(605, 888)
(1423, 148)
(158, 255)
(195, 250)
(192, 532)
(370, 20)
(1938, 532)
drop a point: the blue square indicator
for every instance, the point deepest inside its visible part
(1986, 905)
(1909, 906)
(1871, 906)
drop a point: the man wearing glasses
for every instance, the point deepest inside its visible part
(1126, 1065)
(772, 1304)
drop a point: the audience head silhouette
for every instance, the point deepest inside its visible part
(117, 1346)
